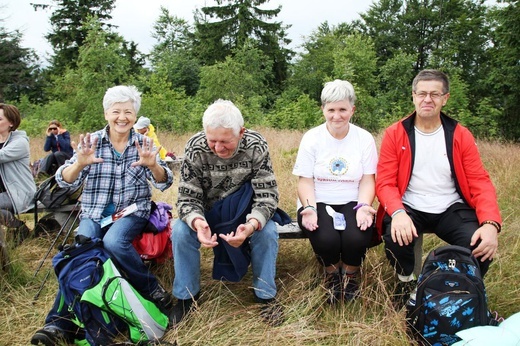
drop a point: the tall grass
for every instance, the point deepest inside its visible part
(226, 313)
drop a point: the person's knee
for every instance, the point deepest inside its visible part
(267, 236)
(114, 246)
(181, 233)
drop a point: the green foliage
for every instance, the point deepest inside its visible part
(236, 50)
(394, 101)
(169, 108)
(19, 73)
(504, 79)
(36, 124)
(173, 55)
(315, 66)
(69, 31)
(224, 29)
(243, 76)
(298, 114)
(382, 23)
(355, 60)
(172, 33)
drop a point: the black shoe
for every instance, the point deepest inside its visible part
(402, 293)
(162, 299)
(350, 286)
(333, 284)
(49, 336)
(271, 311)
(181, 309)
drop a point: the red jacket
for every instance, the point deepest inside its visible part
(395, 165)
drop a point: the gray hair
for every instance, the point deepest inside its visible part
(338, 90)
(122, 93)
(223, 113)
(432, 75)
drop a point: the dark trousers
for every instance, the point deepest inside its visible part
(53, 161)
(331, 245)
(455, 226)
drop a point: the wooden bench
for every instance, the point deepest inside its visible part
(293, 231)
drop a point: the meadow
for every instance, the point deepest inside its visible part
(226, 313)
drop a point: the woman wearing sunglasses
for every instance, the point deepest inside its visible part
(58, 143)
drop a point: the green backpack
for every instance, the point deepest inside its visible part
(101, 301)
(113, 293)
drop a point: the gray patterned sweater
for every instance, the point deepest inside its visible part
(205, 178)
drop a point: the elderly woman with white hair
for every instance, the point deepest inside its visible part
(116, 166)
(336, 166)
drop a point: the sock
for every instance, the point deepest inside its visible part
(349, 272)
(404, 278)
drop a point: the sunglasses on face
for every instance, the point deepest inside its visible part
(53, 128)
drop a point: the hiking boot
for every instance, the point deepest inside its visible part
(271, 311)
(181, 309)
(402, 293)
(333, 284)
(162, 299)
(49, 336)
(351, 286)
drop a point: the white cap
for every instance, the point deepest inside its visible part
(141, 123)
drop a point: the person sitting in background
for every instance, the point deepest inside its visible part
(144, 127)
(116, 166)
(336, 165)
(431, 179)
(17, 186)
(58, 143)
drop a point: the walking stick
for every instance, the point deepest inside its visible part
(57, 237)
(60, 247)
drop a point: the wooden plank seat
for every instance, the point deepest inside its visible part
(293, 231)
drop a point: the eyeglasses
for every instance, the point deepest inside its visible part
(433, 95)
(53, 128)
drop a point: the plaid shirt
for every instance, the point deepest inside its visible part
(114, 180)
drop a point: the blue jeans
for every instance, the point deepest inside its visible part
(186, 260)
(118, 241)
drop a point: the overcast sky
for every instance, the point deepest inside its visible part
(135, 18)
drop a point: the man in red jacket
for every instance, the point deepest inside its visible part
(430, 179)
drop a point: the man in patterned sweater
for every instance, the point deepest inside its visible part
(217, 163)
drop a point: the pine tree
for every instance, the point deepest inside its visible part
(222, 29)
(68, 30)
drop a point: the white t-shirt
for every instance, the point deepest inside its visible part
(432, 187)
(337, 165)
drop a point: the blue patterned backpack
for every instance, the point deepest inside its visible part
(450, 297)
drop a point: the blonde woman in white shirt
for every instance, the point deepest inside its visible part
(336, 166)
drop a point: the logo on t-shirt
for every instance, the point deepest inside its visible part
(338, 166)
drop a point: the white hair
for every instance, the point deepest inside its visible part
(223, 113)
(338, 90)
(120, 94)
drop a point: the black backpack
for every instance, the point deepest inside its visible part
(450, 297)
(53, 196)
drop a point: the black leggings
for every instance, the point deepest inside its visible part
(331, 245)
